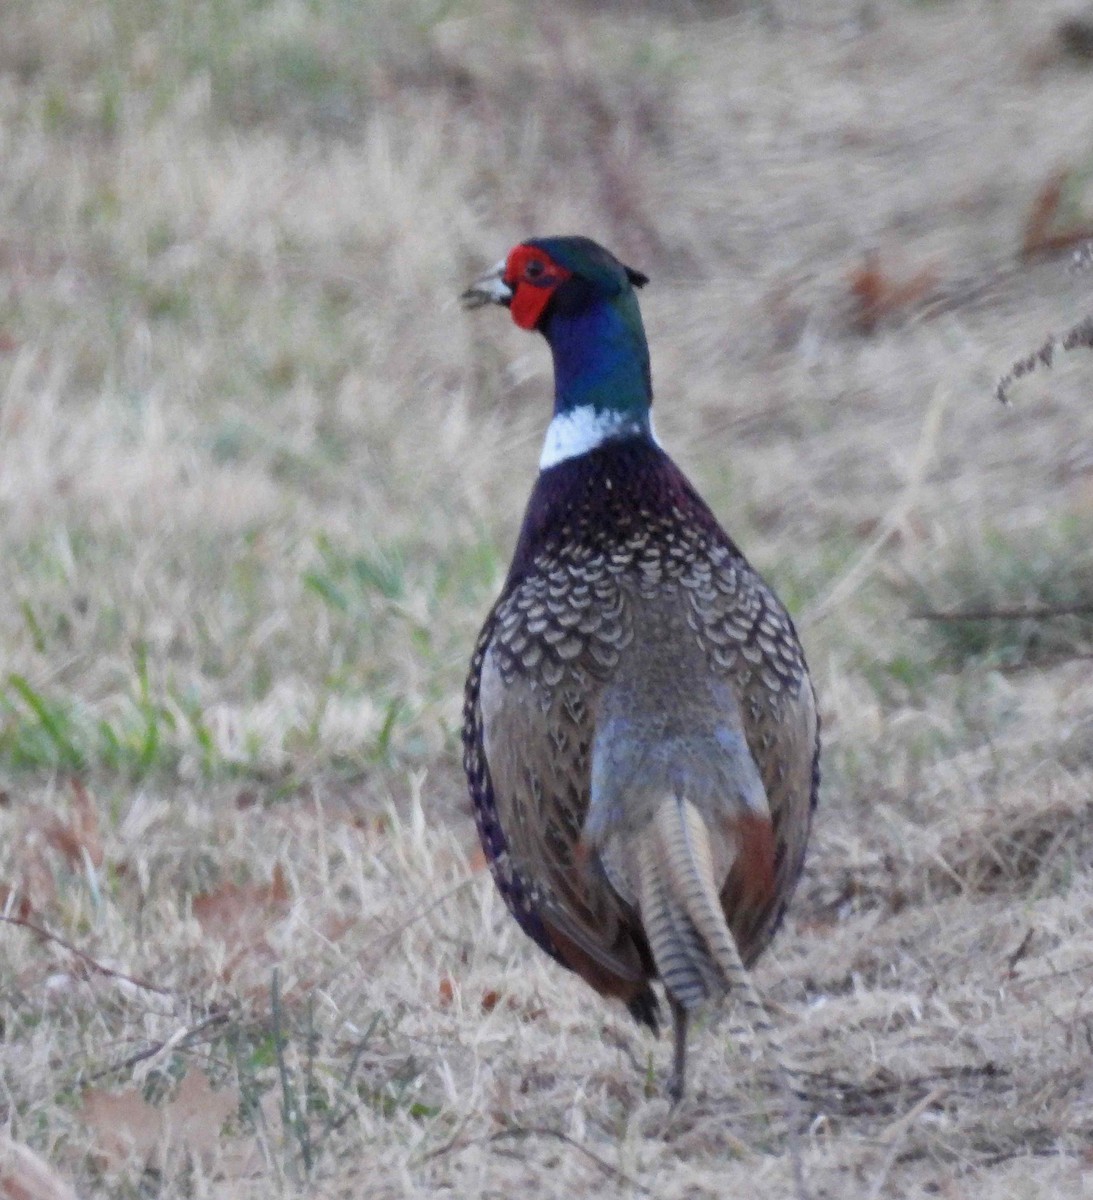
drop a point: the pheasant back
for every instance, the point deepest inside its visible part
(626, 604)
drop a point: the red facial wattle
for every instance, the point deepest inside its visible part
(533, 277)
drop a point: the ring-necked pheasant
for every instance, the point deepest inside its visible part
(640, 731)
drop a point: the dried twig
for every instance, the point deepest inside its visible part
(1045, 663)
(181, 1039)
(384, 940)
(521, 1132)
(454, 1142)
(1015, 956)
(1080, 335)
(896, 1133)
(1039, 613)
(1055, 976)
(86, 958)
(860, 569)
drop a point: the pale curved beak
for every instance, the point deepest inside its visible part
(489, 288)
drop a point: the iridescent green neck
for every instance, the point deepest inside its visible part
(601, 358)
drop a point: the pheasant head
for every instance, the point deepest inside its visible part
(582, 300)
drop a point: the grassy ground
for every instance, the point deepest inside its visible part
(259, 479)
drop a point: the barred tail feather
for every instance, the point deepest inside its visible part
(682, 960)
(695, 952)
(694, 949)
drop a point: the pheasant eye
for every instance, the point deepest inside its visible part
(534, 269)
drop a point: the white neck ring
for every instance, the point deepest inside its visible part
(582, 429)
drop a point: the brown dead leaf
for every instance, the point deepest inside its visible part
(527, 1010)
(241, 915)
(489, 1000)
(1042, 214)
(1043, 235)
(197, 1113)
(237, 907)
(43, 834)
(14, 902)
(26, 1176)
(244, 1157)
(125, 1125)
(879, 295)
(334, 927)
(128, 1127)
(912, 529)
(36, 881)
(77, 839)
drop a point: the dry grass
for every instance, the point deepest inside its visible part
(258, 482)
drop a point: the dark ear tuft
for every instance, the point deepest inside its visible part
(636, 277)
